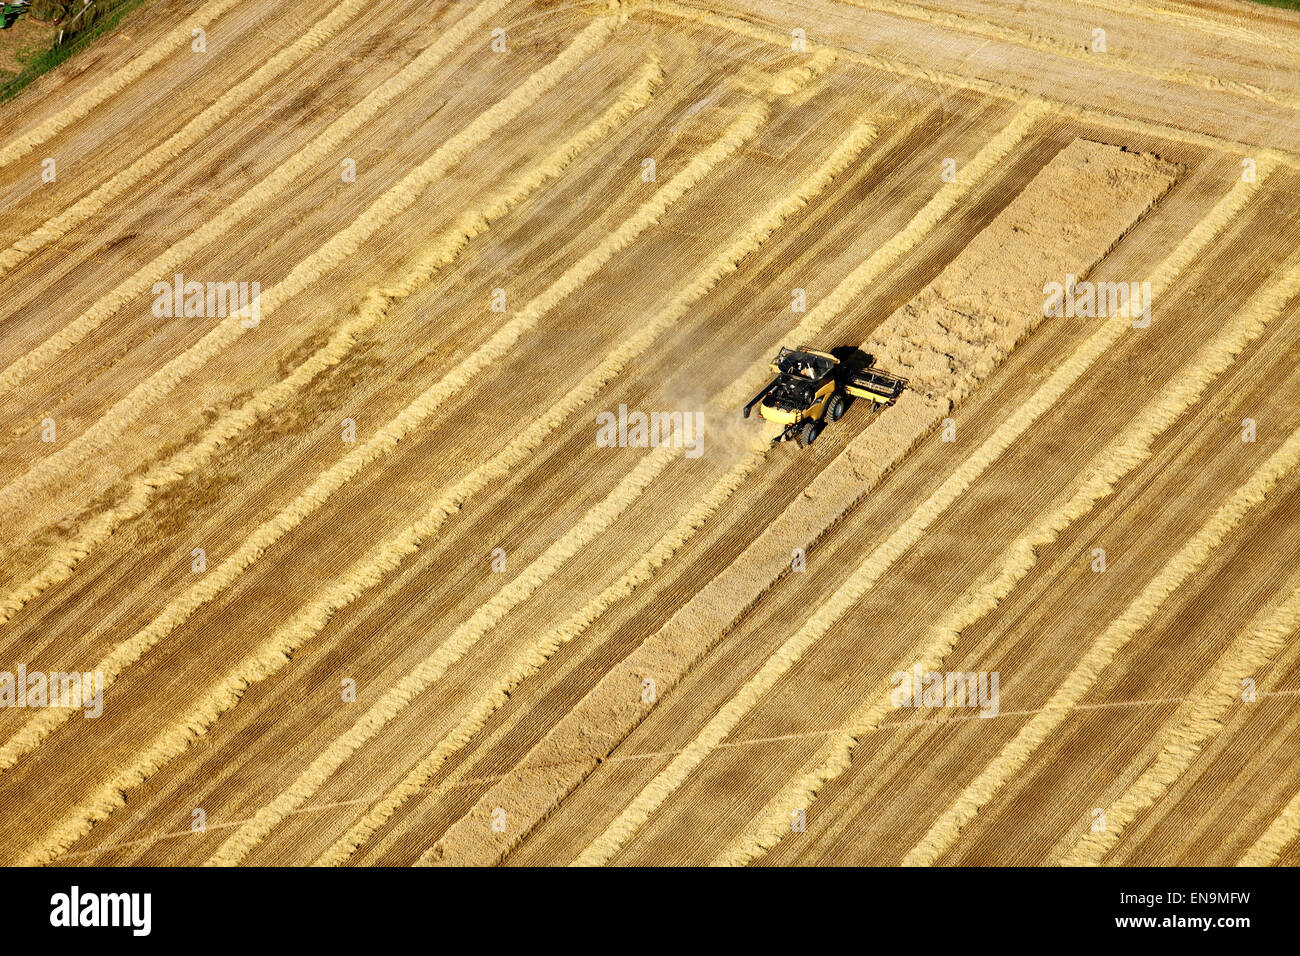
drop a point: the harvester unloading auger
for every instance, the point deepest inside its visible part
(812, 388)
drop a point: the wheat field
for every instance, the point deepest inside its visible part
(358, 582)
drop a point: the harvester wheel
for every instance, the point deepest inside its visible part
(807, 434)
(835, 408)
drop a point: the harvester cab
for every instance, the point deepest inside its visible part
(812, 388)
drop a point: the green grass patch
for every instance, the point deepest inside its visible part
(40, 60)
(1287, 4)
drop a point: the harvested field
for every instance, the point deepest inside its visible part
(311, 349)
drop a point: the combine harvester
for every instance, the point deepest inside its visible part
(812, 388)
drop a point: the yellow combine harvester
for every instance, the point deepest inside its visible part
(812, 388)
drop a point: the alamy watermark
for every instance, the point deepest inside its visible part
(216, 300)
(1087, 300)
(919, 688)
(636, 429)
(41, 689)
(133, 911)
